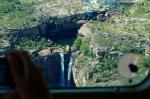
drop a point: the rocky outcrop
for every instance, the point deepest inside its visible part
(6, 45)
(84, 31)
(82, 69)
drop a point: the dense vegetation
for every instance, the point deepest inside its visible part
(14, 14)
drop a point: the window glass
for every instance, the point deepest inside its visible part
(81, 43)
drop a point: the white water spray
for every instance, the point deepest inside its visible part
(62, 70)
(69, 70)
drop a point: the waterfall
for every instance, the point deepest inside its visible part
(69, 70)
(62, 70)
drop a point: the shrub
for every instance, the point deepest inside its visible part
(77, 42)
(84, 48)
(26, 42)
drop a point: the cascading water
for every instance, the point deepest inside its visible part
(66, 81)
(69, 71)
(62, 70)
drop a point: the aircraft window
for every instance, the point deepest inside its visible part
(81, 43)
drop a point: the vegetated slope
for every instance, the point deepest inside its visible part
(96, 62)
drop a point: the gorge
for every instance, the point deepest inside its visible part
(57, 67)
